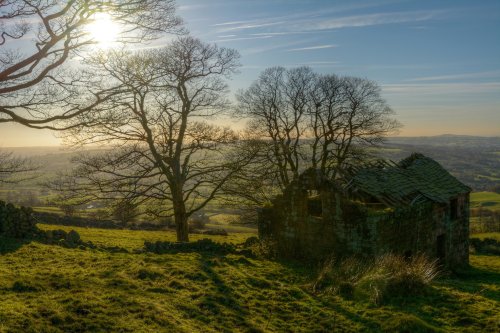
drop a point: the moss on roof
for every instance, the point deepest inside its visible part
(415, 178)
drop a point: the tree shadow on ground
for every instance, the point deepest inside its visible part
(8, 245)
(473, 280)
(454, 300)
(227, 308)
(222, 298)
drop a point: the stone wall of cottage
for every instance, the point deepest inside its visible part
(343, 227)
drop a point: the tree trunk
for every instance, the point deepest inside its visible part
(181, 221)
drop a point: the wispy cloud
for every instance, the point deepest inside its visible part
(308, 22)
(274, 46)
(223, 40)
(231, 23)
(476, 75)
(254, 26)
(320, 64)
(370, 20)
(316, 47)
(441, 88)
(193, 7)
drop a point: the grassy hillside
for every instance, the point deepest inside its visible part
(53, 289)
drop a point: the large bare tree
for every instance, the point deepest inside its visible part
(42, 43)
(307, 120)
(165, 149)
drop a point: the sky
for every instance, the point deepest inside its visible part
(438, 62)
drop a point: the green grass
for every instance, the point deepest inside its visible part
(47, 288)
(489, 200)
(48, 209)
(493, 235)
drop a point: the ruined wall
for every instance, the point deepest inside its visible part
(297, 233)
(409, 230)
(345, 227)
(426, 228)
(458, 240)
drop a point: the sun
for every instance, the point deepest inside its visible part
(103, 30)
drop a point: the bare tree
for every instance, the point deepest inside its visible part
(306, 120)
(15, 169)
(277, 106)
(41, 83)
(346, 115)
(165, 150)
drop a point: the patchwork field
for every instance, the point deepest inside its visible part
(46, 288)
(489, 200)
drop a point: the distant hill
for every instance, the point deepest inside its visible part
(472, 159)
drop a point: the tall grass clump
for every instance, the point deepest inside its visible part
(376, 279)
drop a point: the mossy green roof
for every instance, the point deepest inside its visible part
(414, 179)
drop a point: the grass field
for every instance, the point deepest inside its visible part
(492, 235)
(489, 200)
(47, 288)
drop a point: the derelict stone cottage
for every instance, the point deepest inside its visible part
(414, 206)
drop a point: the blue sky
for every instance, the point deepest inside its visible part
(438, 62)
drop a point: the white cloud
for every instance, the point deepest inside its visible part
(370, 20)
(441, 88)
(254, 26)
(306, 22)
(240, 38)
(317, 47)
(230, 23)
(476, 75)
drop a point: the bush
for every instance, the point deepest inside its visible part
(376, 279)
(202, 245)
(266, 248)
(334, 275)
(16, 222)
(60, 237)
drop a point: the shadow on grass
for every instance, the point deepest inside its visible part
(8, 245)
(457, 297)
(473, 279)
(226, 308)
(222, 299)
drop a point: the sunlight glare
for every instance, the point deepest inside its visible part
(103, 30)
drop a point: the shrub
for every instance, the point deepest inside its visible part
(266, 247)
(202, 245)
(16, 222)
(376, 279)
(334, 275)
